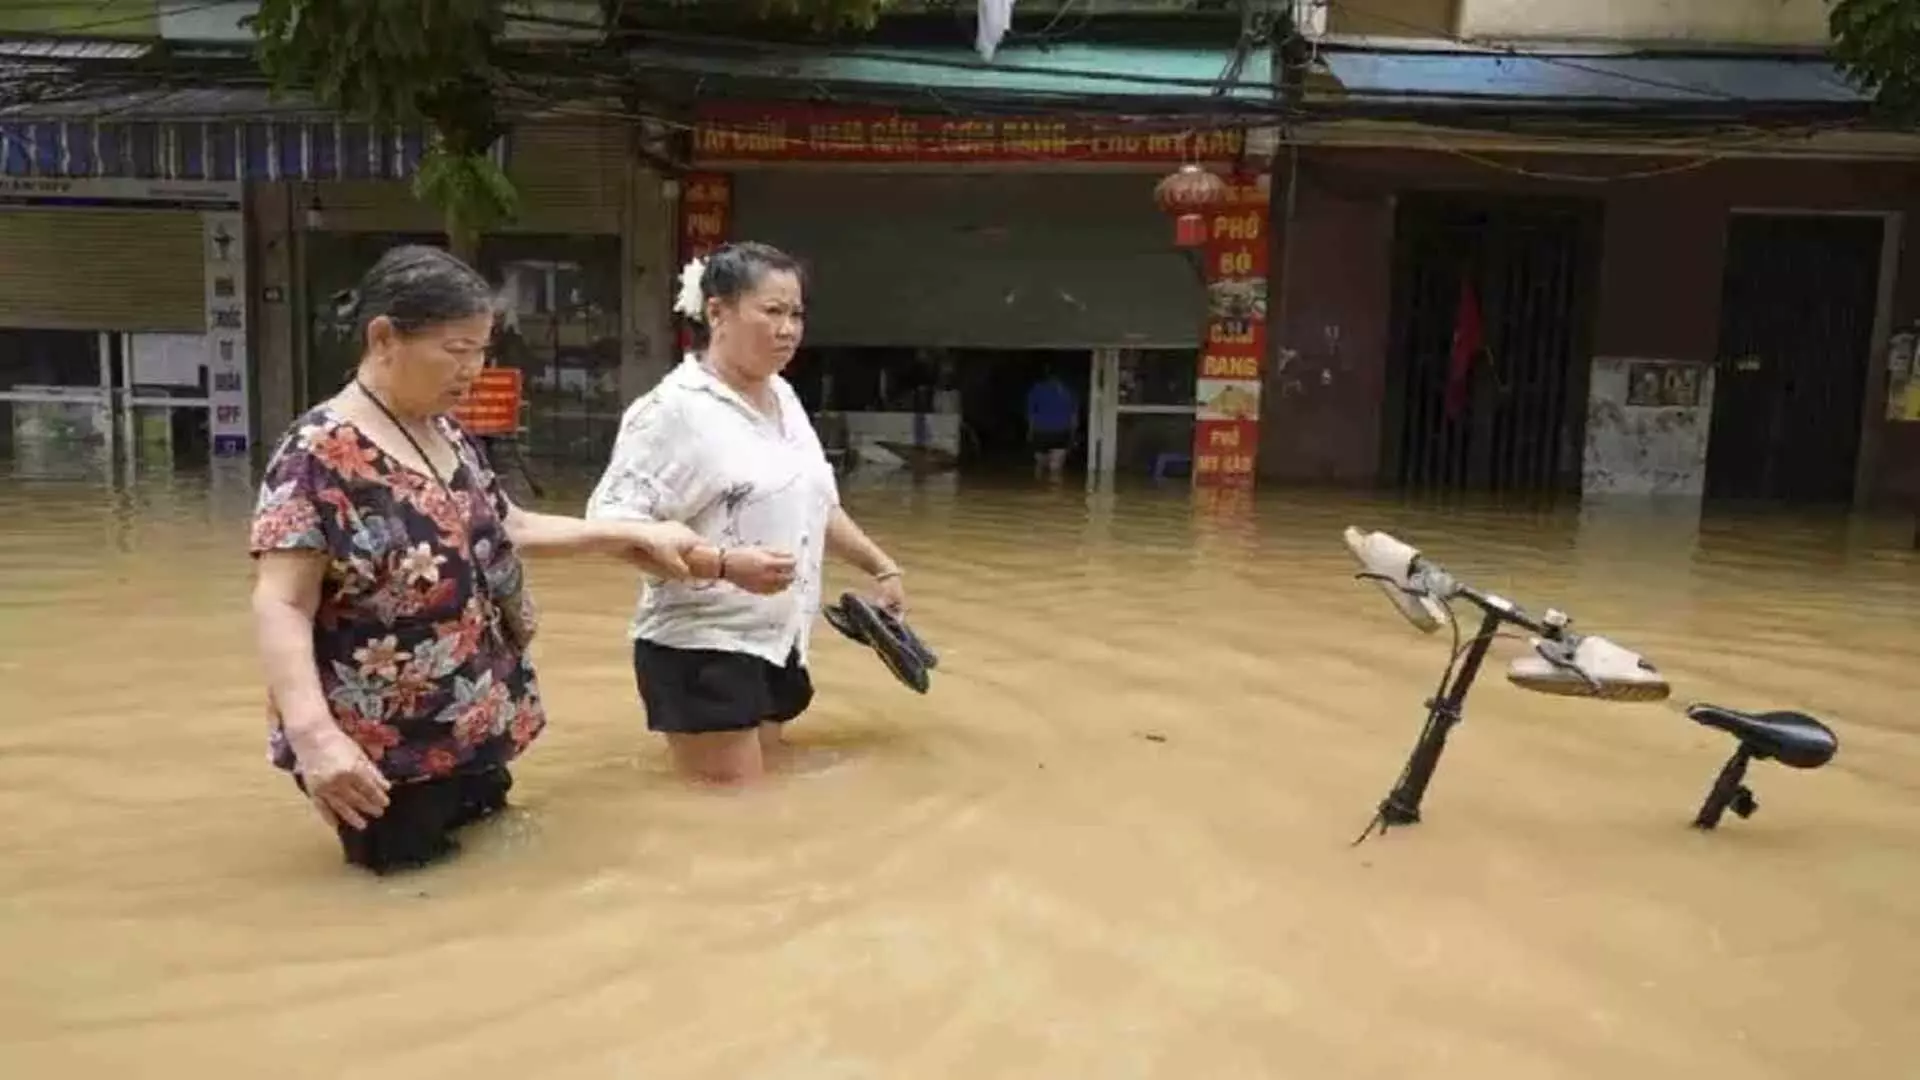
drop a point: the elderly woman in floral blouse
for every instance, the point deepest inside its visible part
(389, 606)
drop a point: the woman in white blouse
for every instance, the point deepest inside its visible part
(723, 446)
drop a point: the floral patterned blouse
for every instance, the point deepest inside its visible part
(422, 628)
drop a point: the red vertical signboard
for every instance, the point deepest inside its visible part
(706, 213)
(1226, 428)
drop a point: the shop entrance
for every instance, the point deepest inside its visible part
(123, 326)
(944, 409)
(993, 388)
(1014, 274)
(74, 402)
(1141, 412)
(933, 409)
(1798, 308)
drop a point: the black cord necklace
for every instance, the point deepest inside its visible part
(405, 434)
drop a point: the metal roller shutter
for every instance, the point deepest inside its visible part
(122, 270)
(571, 176)
(978, 260)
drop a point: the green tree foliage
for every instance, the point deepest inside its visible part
(438, 63)
(1877, 43)
(428, 62)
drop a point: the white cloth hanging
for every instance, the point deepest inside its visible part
(508, 300)
(995, 17)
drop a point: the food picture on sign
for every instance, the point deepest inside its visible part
(1237, 299)
(1225, 400)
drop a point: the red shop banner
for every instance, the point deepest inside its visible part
(706, 215)
(1228, 382)
(706, 212)
(731, 132)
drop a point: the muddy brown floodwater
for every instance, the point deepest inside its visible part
(1112, 842)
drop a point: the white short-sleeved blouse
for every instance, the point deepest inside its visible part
(694, 451)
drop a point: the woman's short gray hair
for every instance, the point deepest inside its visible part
(416, 287)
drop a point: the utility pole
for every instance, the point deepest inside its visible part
(1292, 53)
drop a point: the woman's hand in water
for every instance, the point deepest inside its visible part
(342, 783)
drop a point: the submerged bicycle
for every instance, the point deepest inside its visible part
(1561, 662)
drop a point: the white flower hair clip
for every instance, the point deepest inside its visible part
(692, 302)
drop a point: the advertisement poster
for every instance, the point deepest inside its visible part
(225, 259)
(1226, 426)
(491, 408)
(1903, 380)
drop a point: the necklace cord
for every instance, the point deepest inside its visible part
(405, 434)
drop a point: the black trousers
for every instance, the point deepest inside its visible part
(1045, 442)
(421, 818)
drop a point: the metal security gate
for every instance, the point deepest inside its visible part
(1487, 375)
(1796, 333)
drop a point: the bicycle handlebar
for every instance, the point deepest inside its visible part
(1562, 662)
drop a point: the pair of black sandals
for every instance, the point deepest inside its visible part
(890, 638)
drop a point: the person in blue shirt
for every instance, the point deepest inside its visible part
(1053, 423)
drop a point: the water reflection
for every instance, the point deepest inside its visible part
(1111, 841)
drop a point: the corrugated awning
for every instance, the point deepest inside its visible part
(203, 134)
(1640, 80)
(1068, 71)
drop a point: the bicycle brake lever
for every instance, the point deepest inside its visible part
(1366, 575)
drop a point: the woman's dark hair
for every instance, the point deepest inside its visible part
(734, 270)
(416, 287)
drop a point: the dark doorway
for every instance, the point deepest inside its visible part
(1512, 417)
(993, 388)
(986, 387)
(1796, 334)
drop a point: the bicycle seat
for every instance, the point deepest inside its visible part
(1793, 739)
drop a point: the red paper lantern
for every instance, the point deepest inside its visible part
(1188, 194)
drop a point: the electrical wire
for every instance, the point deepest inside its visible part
(541, 78)
(773, 49)
(568, 73)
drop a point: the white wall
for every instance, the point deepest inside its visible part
(1745, 22)
(1645, 449)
